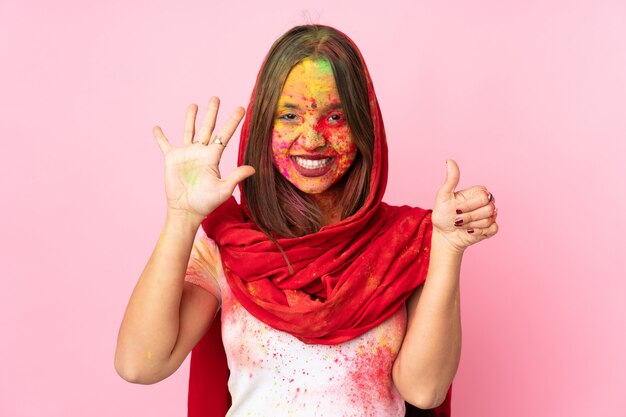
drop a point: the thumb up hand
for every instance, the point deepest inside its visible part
(463, 217)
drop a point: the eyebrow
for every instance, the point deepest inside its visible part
(288, 105)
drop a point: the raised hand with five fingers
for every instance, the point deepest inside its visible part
(193, 183)
(463, 217)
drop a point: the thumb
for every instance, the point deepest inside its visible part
(238, 175)
(452, 177)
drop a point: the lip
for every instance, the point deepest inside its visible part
(314, 157)
(313, 172)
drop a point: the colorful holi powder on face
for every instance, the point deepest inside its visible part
(310, 124)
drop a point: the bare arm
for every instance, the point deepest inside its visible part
(166, 317)
(430, 353)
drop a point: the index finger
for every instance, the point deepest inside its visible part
(226, 132)
(162, 141)
(481, 198)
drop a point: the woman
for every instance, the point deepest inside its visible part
(332, 302)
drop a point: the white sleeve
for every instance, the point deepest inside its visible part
(204, 265)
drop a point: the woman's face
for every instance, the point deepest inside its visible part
(312, 145)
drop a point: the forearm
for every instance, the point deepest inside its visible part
(431, 350)
(150, 325)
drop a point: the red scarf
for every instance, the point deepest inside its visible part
(348, 277)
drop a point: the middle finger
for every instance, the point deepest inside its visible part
(208, 124)
(481, 213)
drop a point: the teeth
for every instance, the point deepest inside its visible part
(312, 163)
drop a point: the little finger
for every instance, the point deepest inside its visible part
(162, 141)
(491, 230)
(484, 232)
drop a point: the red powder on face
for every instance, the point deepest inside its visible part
(310, 123)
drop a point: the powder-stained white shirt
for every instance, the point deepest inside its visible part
(274, 374)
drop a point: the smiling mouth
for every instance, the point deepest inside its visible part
(313, 166)
(312, 163)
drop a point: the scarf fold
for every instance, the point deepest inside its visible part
(347, 278)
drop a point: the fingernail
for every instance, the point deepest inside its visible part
(470, 230)
(459, 211)
(490, 197)
(458, 222)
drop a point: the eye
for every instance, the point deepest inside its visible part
(335, 117)
(288, 116)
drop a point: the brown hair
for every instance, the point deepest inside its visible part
(276, 206)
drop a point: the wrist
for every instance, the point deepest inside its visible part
(441, 245)
(182, 219)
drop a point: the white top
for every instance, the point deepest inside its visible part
(274, 374)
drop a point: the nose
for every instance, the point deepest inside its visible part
(310, 139)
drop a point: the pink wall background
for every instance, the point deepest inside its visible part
(528, 97)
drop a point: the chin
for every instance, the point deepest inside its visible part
(311, 185)
(313, 190)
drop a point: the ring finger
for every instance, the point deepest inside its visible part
(190, 124)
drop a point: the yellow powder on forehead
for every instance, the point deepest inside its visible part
(310, 77)
(318, 64)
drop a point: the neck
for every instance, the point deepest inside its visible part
(329, 204)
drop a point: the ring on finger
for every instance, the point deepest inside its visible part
(217, 141)
(198, 141)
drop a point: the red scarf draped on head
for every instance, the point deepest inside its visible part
(347, 278)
